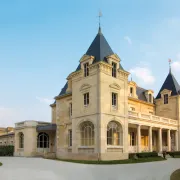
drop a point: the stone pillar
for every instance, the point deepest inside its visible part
(139, 138)
(176, 141)
(169, 139)
(160, 139)
(150, 139)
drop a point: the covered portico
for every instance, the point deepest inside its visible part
(144, 138)
(46, 138)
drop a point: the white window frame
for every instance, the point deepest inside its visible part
(70, 109)
(114, 69)
(112, 128)
(86, 99)
(86, 69)
(114, 99)
(70, 137)
(87, 133)
(166, 99)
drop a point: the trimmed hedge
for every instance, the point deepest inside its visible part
(143, 155)
(175, 153)
(6, 150)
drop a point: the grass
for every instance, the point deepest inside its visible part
(127, 161)
(175, 175)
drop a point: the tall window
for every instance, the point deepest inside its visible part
(114, 99)
(113, 133)
(86, 99)
(150, 98)
(166, 99)
(86, 69)
(43, 140)
(132, 138)
(114, 69)
(131, 91)
(21, 140)
(70, 109)
(87, 133)
(70, 138)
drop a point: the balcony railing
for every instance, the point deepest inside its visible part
(152, 118)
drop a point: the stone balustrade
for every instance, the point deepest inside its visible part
(152, 118)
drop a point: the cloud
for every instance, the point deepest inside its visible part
(44, 100)
(128, 39)
(176, 64)
(143, 74)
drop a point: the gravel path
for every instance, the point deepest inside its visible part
(16, 168)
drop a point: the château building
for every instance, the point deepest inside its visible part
(99, 114)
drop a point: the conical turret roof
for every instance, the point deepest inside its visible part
(171, 84)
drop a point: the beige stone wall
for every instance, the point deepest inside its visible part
(53, 114)
(169, 110)
(6, 140)
(30, 141)
(141, 107)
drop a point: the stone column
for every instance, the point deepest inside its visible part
(160, 139)
(139, 138)
(150, 138)
(176, 140)
(169, 139)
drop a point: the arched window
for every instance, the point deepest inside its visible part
(43, 140)
(114, 133)
(21, 140)
(87, 133)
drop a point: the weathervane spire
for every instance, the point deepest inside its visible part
(169, 60)
(100, 15)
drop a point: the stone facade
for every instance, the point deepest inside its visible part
(100, 115)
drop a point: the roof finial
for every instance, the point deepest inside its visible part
(170, 65)
(100, 15)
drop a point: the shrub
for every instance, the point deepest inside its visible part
(6, 150)
(132, 155)
(175, 153)
(147, 154)
(143, 155)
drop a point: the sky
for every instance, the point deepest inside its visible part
(41, 43)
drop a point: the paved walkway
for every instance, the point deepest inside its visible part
(15, 168)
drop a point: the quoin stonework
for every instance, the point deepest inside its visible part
(99, 114)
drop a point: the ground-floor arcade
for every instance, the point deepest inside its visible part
(144, 138)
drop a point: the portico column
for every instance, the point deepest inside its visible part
(150, 138)
(139, 138)
(169, 139)
(176, 140)
(160, 139)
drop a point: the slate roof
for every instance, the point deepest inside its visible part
(171, 84)
(141, 93)
(100, 49)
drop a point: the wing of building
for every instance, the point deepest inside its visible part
(99, 114)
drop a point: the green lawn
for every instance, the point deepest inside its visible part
(175, 175)
(127, 161)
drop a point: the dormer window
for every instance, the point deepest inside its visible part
(86, 69)
(114, 66)
(131, 91)
(165, 98)
(150, 98)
